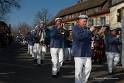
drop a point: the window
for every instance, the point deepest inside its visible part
(119, 15)
(114, 1)
(122, 11)
(98, 21)
(91, 22)
(64, 17)
(69, 17)
(95, 22)
(97, 9)
(73, 15)
(103, 20)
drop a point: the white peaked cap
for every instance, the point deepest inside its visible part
(41, 22)
(83, 17)
(58, 19)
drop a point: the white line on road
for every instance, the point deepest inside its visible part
(16, 65)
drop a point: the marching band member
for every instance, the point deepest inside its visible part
(57, 35)
(81, 49)
(38, 55)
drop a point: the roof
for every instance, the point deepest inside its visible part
(3, 23)
(117, 2)
(80, 7)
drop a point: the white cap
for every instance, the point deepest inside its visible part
(32, 30)
(36, 27)
(112, 29)
(41, 22)
(83, 17)
(58, 19)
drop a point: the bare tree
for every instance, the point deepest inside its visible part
(6, 5)
(23, 29)
(42, 15)
(14, 31)
(4, 17)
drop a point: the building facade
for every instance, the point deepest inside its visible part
(100, 12)
(5, 34)
(97, 10)
(116, 13)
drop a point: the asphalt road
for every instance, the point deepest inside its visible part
(17, 67)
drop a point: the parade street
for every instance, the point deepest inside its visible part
(17, 67)
(61, 41)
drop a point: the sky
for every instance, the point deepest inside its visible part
(29, 9)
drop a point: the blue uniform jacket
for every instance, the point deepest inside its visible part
(57, 40)
(30, 39)
(81, 45)
(111, 44)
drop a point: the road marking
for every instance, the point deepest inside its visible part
(22, 66)
(6, 73)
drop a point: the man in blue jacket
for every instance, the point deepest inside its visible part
(81, 49)
(57, 36)
(30, 40)
(112, 51)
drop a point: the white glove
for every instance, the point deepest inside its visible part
(92, 28)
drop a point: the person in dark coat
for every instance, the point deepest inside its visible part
(99, 50)
(57, 43)
(68, 48)
(81, 49)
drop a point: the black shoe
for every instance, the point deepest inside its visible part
(35, 61)
(39, 65)
(42, 61)
(110, 73)
(54, 76)
(58, 73)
